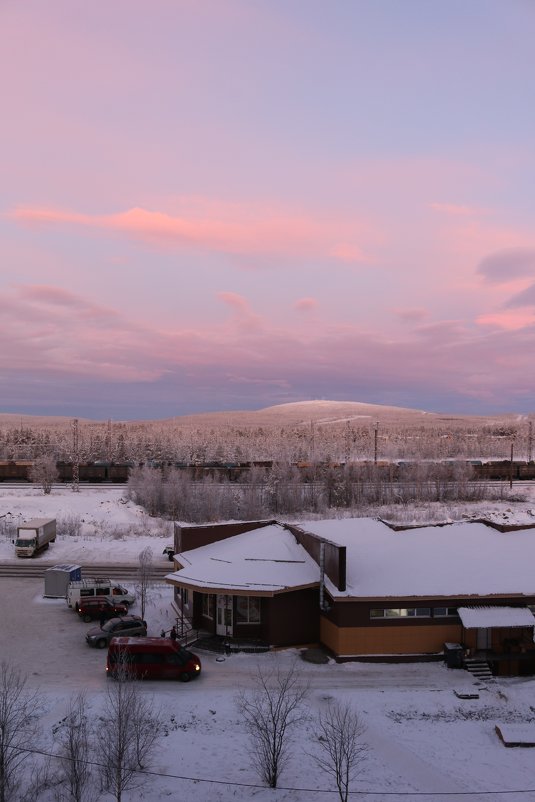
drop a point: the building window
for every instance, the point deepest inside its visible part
(184, 592)
(247, 610)
(400, 612)
(208, 606)
(444, 612)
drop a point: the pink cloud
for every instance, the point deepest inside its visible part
(232, 229)
(457, 210)
(415, 315)
(351, 254)
(306, 304)
(508, 264)
(510, 320)
(244, 315)
(39, 337)
(235, 301)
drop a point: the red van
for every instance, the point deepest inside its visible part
(152, 658)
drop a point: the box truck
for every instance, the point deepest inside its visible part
(35, 536)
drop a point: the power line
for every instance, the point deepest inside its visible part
(170, 776)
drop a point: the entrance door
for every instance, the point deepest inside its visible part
(224, 616)
(484, 639)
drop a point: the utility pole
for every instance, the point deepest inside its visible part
(108, 441)
(348, 442)
(75, 457)
(530, 442)
(375, 443)
(511, 468)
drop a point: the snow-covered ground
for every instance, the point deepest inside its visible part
(422, 739)
(104, 526)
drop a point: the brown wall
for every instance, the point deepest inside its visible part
(293, 618)
(334, 555)
(427, 639)
(286, 619)
(193, 537)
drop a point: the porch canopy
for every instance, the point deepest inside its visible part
(491, 617)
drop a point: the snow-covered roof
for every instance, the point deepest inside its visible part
(455, 560)
(488, 617)
(265, 561)
(463, 559)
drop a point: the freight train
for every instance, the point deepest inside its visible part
(118, 472)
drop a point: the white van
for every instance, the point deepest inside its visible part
(97, 588)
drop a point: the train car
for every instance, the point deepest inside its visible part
(119, 471)
(15, 470)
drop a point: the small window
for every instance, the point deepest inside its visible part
(185, 597)
(377, 613)
(248, 609)
(401, 612)
(420, 612)
(444, 612)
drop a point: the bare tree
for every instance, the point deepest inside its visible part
(75, 748)
(44, 472)
(19, 714)
(132, 730)
(341, 733)
(271, 711)
(144, 577)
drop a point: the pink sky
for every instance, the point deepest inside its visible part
(220, 205)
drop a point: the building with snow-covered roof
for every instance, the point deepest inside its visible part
(363, 589)
(252, 582)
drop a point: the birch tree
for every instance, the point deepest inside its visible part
(144, 577)
(132, 731)
(44, 472)
(343, 751)
(75, 752)
(19, 719)
(271, 712)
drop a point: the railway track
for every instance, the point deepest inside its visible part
(128, 572)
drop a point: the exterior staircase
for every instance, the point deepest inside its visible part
(479, 667)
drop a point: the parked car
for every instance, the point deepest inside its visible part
(89, 609)
(128, 625)
(152, 658)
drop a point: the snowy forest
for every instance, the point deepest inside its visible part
(281, 463)
(212, 439)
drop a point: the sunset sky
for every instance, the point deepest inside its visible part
(229, 204)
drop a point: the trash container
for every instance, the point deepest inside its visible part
(453, 655)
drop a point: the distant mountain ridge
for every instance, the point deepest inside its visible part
(293, 413)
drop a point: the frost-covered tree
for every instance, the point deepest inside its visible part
(342, 747)
(130, 722)
(19, 726)
(44, 472)
(271, 713)
(75, 750)
(144, 577)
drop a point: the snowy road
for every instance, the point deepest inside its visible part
(48, 638)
